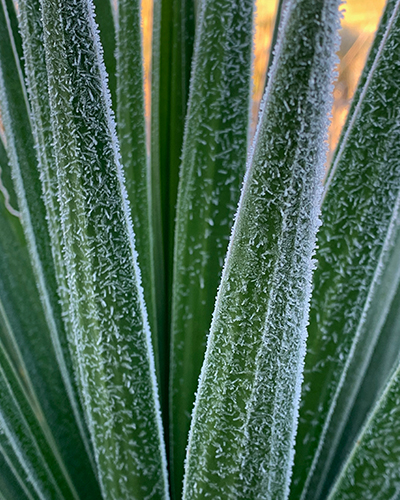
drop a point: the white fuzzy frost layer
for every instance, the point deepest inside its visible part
(360, 209)
(108, 315)
(245, 416)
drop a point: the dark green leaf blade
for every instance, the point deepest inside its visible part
(213, 163)
(372, 471)
(373, 362)
(106, 306)
(105, 18)
(385, 357)
(245, 417)
(173, 38)
(11, 484)
(359, 211)
(23, 438)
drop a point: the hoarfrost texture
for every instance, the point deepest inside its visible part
(359, 213)
(108, 316)
(245, 414)
(213, 163)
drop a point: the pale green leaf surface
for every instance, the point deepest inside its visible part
(213, 164)
(244, 421)
(37, 87)
(132, 139)
(372, 471)
(30, 327)
(107, 310)
(359, 214)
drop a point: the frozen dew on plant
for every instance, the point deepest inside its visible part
(245, 413)
(116, 246)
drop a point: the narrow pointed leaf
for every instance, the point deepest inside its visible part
(359, 215)
(107, 310)
(105, 18)
(23, 438)
(213, 163)
(372, 470)
(34, 325)
(244, 421)
(25, 334)
(173, 37)
(386, 356)
(12, 26)
(374, 360)
(132, 140)
(275, 34)
(11, 484)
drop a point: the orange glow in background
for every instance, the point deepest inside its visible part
(359, 23)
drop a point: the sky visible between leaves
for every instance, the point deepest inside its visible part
(361, 18)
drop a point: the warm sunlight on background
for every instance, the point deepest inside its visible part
(360, 21)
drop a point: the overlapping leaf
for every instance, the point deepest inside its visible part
(372, 470)
(31, 317)
(242, 434)
(106, 307)
(359, 218)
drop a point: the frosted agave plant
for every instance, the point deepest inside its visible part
(153, 344)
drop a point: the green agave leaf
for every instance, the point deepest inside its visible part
(244, 421)
(213, 163)
(11, 484)
(132, 140)
(6, 185)
(106, 306)
(277, 30)
(105, 18)
(359, 215)
(23, 441)
(372, 470)
(30, 331)
(384, 359)
(12, 28)
(173, 37)
(25, 335)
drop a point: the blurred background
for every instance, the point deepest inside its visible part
(359, 23)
